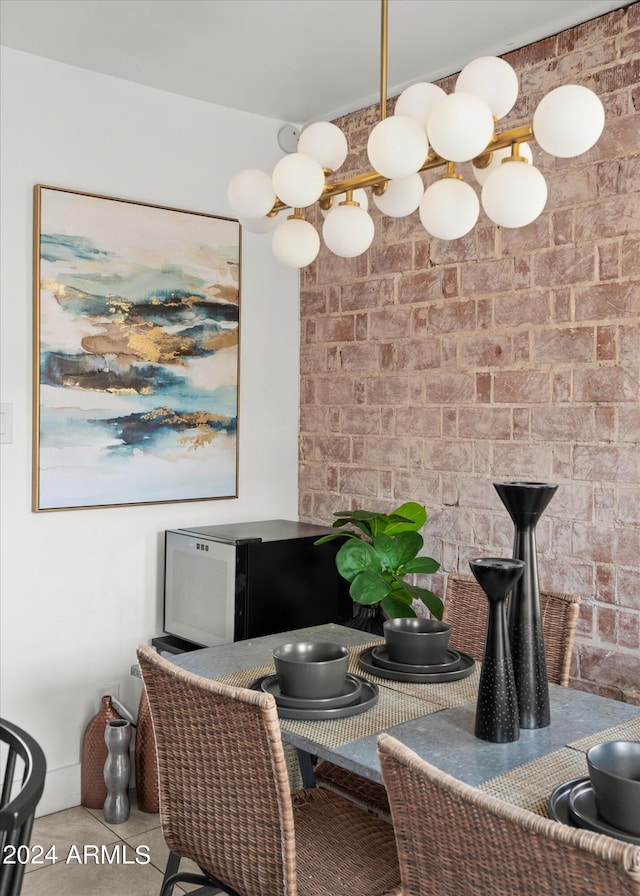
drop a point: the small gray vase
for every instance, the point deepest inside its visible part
(117, 771)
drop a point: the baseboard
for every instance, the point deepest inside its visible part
(62, 787)
(61, 790)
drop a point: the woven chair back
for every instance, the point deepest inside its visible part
(224, 791)
(465, 609)
(455, 840)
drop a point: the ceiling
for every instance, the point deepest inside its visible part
(292, 60)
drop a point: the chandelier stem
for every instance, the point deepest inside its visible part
(384, 40)
(515, 154)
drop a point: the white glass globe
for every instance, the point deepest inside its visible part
(402, 196)
(359, 196)
(260, 225)
(481, 174)
(326, 143)
(298, 180)
(449, 209)
(295, 243)
(348, 231)
(568, 121)
(418, 102)
(514, 194)
(493, 80)
(397, 146)
(460, 127)
(250, 193)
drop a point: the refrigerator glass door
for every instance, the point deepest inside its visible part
(199, 600)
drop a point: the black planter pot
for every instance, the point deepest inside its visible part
(526, 502)
(497, 717)
(368, 619)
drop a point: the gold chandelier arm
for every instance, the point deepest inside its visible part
(522, 134)
(384, 42)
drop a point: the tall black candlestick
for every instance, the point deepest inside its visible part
(526, 502)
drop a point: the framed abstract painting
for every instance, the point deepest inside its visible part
(136, 352)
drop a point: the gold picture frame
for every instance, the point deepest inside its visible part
(136, 352)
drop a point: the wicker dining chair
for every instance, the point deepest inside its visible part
(455, 840)
(225, 801)
(465, 609)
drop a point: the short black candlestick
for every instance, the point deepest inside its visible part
(497, 717)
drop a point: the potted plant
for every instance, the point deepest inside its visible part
(380, 551)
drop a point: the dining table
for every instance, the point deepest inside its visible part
(436, 719)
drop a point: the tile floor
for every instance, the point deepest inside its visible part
(131, 864)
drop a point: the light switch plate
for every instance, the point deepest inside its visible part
(6, 423)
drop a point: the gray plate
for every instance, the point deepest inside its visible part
(582, 808)
(368, 698)
(467, 664)
(380, 657)
(559, 802)
(350, 693)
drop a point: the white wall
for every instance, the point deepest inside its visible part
(80, 589)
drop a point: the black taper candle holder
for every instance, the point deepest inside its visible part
(497, 705)
(526, 502)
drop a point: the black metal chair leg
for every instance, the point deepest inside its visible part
(173, 863)
(306, 768)
(209, 886)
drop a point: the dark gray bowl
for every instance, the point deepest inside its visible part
(311, 669)
(614, 770)
(417, 642)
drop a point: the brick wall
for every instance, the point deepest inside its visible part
(431, 369)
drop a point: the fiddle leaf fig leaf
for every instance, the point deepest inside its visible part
(333, 536)
(364, 520)
(421, 566)
(408, 545)
(388, 551)
(408, 517)
(349, 515)
(363, 527)
(356, 556)
(395, 608)
(428, 598)
(379, 524)
(369, 588)
(399, 592)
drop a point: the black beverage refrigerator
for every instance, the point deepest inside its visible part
(229, 582)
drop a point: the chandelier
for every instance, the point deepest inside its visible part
(429, 129)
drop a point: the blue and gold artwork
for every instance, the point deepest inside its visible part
(137, 323)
